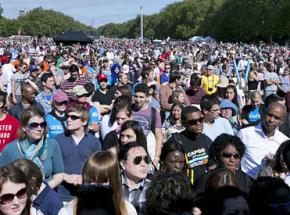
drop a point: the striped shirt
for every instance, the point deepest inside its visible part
(67, 86)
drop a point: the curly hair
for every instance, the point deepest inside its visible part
(222, 141)
(169, 193)
(278, 162)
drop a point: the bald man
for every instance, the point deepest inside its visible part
(263, 140)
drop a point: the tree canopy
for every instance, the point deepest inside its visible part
(41, 22)
(227, 20)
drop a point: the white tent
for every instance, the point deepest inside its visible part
(199, 39)
(196, 39)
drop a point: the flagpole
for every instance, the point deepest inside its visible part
(141, 24)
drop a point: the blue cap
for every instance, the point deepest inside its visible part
(225, 103)
(33, 67)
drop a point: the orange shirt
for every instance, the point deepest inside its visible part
(45, 65)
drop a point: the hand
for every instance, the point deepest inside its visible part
(196, 211)
(73, 179)
(270, 158)
(156, 163)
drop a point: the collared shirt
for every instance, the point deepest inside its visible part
(136, 196)
(257, 147)
(74, 156)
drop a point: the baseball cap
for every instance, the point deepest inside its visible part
(79, 90)
(60, 96)
(102, 76)
(33, 67)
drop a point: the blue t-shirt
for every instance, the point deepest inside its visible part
(94, 115)
(54, 126)
(254, 115)
(164, 78)
(53, 163)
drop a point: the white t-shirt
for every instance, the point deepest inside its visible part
(7, 71)
(130, 208)
(106, 127)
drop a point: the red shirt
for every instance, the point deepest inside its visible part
(8, 130)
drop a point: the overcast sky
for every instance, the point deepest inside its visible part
(98, 12)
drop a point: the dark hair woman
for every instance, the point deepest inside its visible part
(14, 185)
(44, 199)
(33, 144)
(172, 157)
(227, 151)
(173, 124)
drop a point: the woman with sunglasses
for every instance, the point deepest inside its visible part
(14, 198)
(134, 161)
(33, 144)
(44, 199)
(101, 187)
(227, 151)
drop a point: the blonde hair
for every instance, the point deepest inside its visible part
(255, 94)
(103, 167)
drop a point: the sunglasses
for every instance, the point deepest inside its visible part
(137, 160)
(9, 197)
(61, 103)
(35, 125)
(103, 80)
(229, 155)
(195, 121)
(73, 117)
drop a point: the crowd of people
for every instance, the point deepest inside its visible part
(120, 127)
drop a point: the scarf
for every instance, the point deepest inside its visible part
(35, 152)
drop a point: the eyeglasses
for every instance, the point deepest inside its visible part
(9, 197)
(35, 125)
(103, 80)
(73, 117)
(195, 121)
(137, 160)
(167, 67)
(61, 103)
(229, 155)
